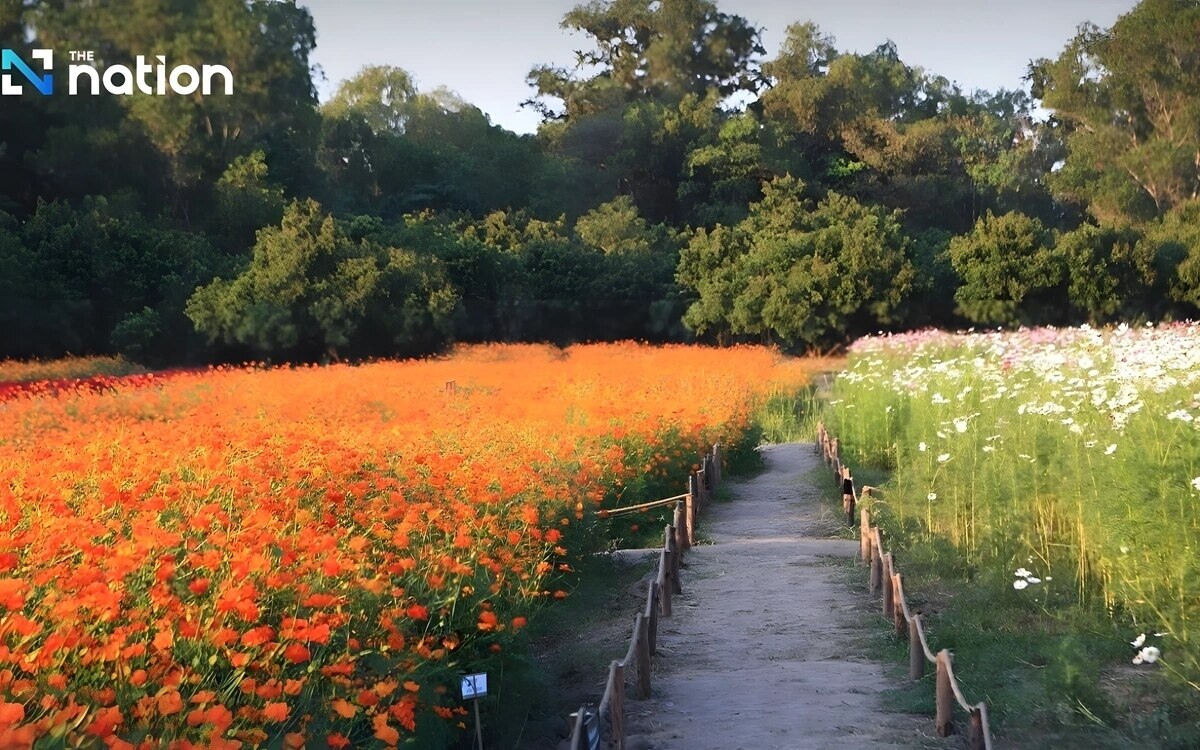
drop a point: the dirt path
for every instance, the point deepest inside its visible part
(751, 659)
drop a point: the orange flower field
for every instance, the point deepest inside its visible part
(246, 557)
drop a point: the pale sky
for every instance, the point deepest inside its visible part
(483, 49)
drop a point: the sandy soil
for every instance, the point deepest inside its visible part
(751, 659)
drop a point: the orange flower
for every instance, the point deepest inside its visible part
(383, 732)
(275, 712)
(11, 713)
(296, 653)
(170, 702)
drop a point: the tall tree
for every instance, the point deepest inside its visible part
(266, 44)
(652, 48)
(1129, 97)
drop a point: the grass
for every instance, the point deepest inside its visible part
(13, 371)
(996, 468)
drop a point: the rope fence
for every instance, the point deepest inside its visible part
(885, 579)
(595, 727)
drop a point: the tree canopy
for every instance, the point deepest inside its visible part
(685, 184)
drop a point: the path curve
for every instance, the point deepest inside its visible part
(751, 658)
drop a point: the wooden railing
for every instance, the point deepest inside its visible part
(604, 726)
(885, 579)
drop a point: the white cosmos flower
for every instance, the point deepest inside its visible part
(1110, 449)
(1020, 583)
(922, 447)
(1137, 642)
(931, 496)
(1033, 579)
(943, 458)
(1149, 654)
(1196, 484)
(1138, 659)
(1022, 573)
(988, 449)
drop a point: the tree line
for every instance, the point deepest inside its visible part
(682, 185)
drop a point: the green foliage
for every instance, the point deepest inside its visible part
(800, 272)
(1129, 97)
(1010, 270)
(921, 205)
(652, 49)
(311, 291)
(77, 275)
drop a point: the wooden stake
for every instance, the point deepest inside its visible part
(975, 737)
(689, 523)
(876, 567)
(617, 709)
(651, 614)
(673, 556)
(643, 657)
(944, 722)
(916, 653)
(664, 585)
(889, 600)
(864, 536)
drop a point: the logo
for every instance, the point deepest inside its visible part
(119, 80)
(10, 60)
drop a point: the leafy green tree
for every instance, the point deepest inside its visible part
(1129, 98)
(245, 200)
(266, 43)
(799, 272)
(651, 48)
(380, 95)
(1174, 244)
(615, 228)
(1010, 269)
(1112, 273)
(311, 292)
(725, 173)
(85, 271)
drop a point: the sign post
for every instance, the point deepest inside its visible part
(474, 687)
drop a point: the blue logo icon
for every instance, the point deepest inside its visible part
(10, 60)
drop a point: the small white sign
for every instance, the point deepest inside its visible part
(474, 686)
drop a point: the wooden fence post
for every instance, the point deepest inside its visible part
(876, 562)
(944, 722)
(975, 738)
(864, 535)
(642, 656)
(651, 614)
(664, 586)
(916, 652)
(618, 706)
(889, 592)
(898, 603)
(689, 513)
(673, 560)
(717, 463)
